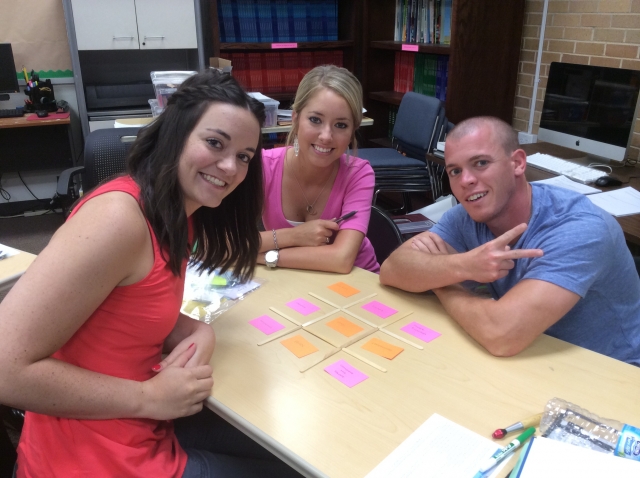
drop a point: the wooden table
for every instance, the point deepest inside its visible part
(12, 268)
(323, 428)
(629, 175)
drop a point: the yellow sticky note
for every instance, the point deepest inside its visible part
(299, 346)
(343, 289)
(344, 326)
(382, 348)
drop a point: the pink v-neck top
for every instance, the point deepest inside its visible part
(352, 191)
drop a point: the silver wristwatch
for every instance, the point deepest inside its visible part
(271, 258)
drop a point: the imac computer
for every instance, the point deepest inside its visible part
(8, 78)
(590, 109)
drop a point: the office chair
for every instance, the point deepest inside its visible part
(383, 234)
(403, 168)
(105, 151)
(437, 175)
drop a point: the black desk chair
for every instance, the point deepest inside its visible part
(105, 152)
(383, 234)
(403, 168)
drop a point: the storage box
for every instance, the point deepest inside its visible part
(155, 109)
(220, 64)
(165, 83)
(270, 108)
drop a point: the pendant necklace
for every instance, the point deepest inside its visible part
(310, 207)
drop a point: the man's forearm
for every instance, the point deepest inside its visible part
(417, 271)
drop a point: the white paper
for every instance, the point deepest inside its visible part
(6, 251)
(436, 210)
(621, 202)
(439, 447)
(555, 459)
(565, 182)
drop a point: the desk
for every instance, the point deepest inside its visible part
(12, 268)
(32, 145)
(323, 428)
(630, 224)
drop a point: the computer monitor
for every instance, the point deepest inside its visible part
(8, 78)
(590, 109)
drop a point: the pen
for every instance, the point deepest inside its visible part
(507, 450)
(346, 216)
(533, 421)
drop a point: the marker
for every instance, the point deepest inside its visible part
(533, 421)
(507, 450)
(346, 216)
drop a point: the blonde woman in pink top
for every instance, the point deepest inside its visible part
(316, 179)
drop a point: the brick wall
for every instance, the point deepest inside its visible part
(590, 32)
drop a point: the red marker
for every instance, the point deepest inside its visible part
(533, 421)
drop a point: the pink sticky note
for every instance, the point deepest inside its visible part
(409, 47)
(379, 309)
(266, 324)
(344, 372)
(275, 46)
(303, 307)
(420, 331)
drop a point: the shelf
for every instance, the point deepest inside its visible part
(422, 47)
(319, 45)
(389, 97)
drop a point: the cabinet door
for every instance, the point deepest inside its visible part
(105, 25)
(166, 24)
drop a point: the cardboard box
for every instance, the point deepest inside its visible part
(220, 64)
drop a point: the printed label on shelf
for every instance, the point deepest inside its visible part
(284, 45)
(409, 47)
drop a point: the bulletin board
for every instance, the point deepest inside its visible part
(37, 32)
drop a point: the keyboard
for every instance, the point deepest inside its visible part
(581, 174)
(14, 113)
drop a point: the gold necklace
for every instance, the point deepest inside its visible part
(309, 207)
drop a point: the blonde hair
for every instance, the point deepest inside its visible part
(339, 80)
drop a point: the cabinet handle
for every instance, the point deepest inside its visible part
(123, 38)
(157, 37)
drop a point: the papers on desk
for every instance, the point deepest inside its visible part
(439, 447)
(565, 182)
(6, 251)
(556, 459)
(436, 210)
(621, 202)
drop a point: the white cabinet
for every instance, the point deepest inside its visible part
(134, 24)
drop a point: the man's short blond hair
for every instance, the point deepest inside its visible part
(504, 133)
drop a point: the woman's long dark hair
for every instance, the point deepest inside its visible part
(227, 236)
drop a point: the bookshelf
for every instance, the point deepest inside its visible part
(483, 61)
(346, 48)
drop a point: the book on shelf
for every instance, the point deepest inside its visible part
(277, 71)
(277, 21)
(423, 21)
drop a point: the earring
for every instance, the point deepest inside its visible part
(296, 146)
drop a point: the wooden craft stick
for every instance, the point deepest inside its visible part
(356, 316)
(361, 300)
(326, 301)
(290, 319)
(349, 342)
(402, 339)
(277, 335)
(393, 321)
(321, 336)
(367, 361)
(318, 319)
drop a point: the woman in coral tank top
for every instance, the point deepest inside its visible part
(83, 331)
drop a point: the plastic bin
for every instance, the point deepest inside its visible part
(165, 83)
(270, 107)
(155, 108)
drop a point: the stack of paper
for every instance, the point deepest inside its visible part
(284, 117)
(620, 202)
(566, 183)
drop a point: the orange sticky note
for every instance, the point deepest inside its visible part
(382, 348)
(344, 326)
(343, 289)
(299, 346)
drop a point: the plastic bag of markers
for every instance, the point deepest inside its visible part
(208, 295)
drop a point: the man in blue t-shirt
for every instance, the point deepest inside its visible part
(552, 260)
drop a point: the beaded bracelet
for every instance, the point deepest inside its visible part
(275, 241)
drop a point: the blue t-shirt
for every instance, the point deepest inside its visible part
(584, 252)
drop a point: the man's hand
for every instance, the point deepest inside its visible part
(494, 260)
(430, 243)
